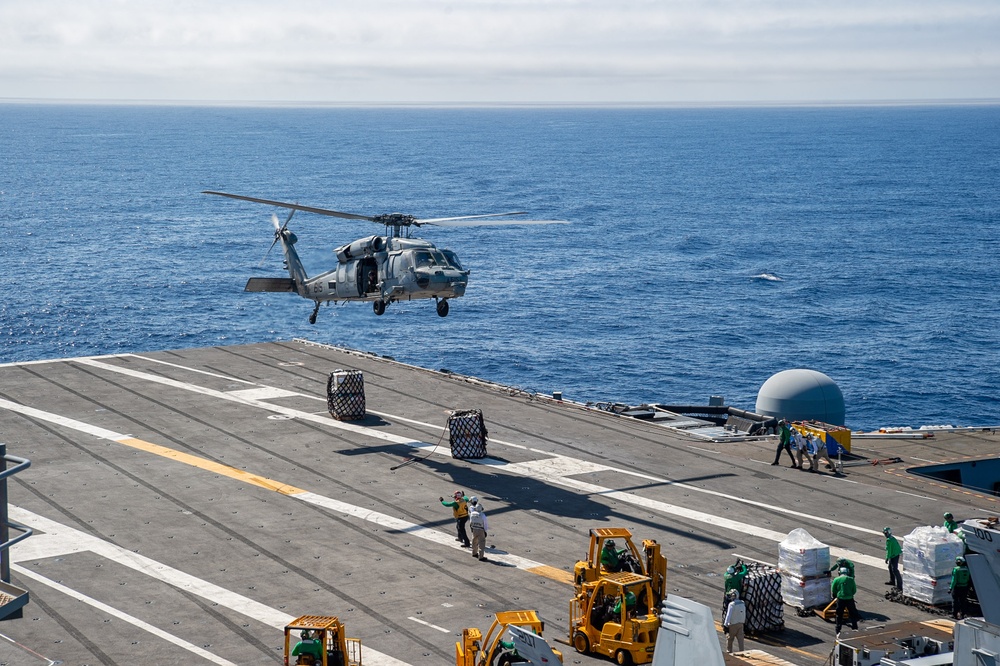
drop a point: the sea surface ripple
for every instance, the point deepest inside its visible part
(709, 248)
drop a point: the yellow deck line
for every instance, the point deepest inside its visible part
(553, 573)
(211, 466)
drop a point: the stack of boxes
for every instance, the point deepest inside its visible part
(804, 563)
(928, 557)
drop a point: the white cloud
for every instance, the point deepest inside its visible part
(556, 50)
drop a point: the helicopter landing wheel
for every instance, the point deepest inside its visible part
(442, 308)
(312, 317)
(379, 307)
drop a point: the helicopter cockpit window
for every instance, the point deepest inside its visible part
(423, 259)
(452, 259)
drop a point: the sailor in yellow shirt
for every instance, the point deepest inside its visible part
(460, 509)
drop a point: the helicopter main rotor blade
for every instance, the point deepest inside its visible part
(294, 206)
(435, 220)
(485, 223)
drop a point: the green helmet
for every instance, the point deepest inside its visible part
(959, 560)
(887, 531)
(948, 516)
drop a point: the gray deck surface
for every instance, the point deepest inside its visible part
(164, 534)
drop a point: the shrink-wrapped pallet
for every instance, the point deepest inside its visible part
(929, 590)
(805, 592)
(804, 563)
(467, 434)
(931, 551)
(928, 557)
(802, 556)
(345, 395)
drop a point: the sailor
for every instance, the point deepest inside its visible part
(799, 444)
(843, 588)
(611, 556)
(732, 622)
(784, 442)
(844, 563)
(949, 523)
(959, 588)
(309, 649)
(629, 604)
(460, 509)
(892, 553)
(477, 521)
(733, 580)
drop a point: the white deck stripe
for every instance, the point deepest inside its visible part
(555, 468)
(61, 539)
(134, 621)
(371, 432)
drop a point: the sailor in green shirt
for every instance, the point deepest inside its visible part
(733, 580)
(308, 646)
(629, 603)
(892, 553)
(611, 556)
(843, 588)
(844, 563)
(949, 523)
(960, 578)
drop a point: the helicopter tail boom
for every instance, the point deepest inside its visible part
(261, 284)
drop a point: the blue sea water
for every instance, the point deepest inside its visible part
(709, 248)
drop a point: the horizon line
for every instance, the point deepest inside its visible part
(986, 101)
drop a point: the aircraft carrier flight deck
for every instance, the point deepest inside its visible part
(187, 504)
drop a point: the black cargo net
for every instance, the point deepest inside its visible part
(762, 595)
(467, 433)
(345, 395)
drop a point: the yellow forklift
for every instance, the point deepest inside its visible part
(648, 562)
(514, 637)
(617, 616)
(322, 642)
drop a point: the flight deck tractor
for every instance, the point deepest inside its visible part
(321, 641)
(612, 551)
(514, 637)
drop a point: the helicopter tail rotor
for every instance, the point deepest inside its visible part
(279, 230)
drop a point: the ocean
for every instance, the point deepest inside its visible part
(709, 247)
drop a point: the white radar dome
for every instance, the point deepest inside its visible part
(801, 395)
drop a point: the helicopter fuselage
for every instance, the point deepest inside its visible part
(379, 268)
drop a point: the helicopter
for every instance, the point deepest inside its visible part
(380, 269)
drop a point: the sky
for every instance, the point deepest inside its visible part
(486, 52)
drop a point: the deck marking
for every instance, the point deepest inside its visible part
(901, 492)
(114, 612)
(428, 624)
(549, 469)
(705, 450)
(424, 446)
(362, 513)
(59, 539)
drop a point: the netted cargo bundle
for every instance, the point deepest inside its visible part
(762, 594)
(467, 433)
(930, 552)
(802, 556)
(345, 395)
(929, 590)
(805, 592)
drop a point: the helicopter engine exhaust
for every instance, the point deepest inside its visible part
(360, 248)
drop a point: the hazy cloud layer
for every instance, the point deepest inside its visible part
(479, 51)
